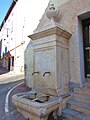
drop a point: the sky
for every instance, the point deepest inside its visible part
(4, 6)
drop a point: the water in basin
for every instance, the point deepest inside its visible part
(35, 96)
(30, 95)
(43, 98)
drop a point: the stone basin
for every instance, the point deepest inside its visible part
(34, 105)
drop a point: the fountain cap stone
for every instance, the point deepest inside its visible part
(52, 12)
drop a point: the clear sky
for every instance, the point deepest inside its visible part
(4, 6)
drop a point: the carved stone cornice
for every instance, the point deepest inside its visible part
(55, 30)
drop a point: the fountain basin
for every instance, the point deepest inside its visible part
(33, 105)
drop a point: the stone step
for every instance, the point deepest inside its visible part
(87, 84)
(78, 106)
(80, 98)
(82, 91)
(69, 114)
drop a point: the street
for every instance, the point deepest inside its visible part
(7, 82)
(4, 88)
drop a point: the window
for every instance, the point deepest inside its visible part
(6, 49)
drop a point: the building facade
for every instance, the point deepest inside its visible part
(18, 23)
(73, 16)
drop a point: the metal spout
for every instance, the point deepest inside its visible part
(34, 73)
(46, 73)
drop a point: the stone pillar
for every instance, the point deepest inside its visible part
(51, 54)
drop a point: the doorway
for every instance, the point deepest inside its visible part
(86, 46)
(11, 63)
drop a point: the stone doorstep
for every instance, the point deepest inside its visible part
(74, 115)
(80, 98)
(78, 106)
(82, 91)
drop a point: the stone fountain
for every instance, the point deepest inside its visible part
(51, 72)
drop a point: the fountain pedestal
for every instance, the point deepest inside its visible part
(51, 52)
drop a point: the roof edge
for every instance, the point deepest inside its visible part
(8, 13)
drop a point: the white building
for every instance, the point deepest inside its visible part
(20, 21)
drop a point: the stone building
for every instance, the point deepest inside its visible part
(72, 16)
(18, 22)
(59, 69)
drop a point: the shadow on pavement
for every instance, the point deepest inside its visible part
(3, 70)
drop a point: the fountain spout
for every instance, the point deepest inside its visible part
(46, 73)
(34, 73)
